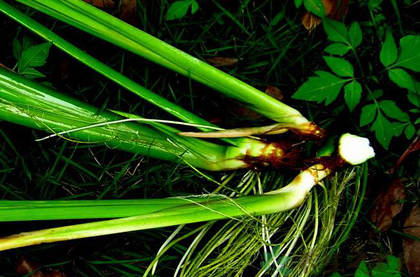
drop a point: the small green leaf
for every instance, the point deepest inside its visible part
(298, 3)
(397, 128)
(352, 94)
(337, 48)
(391, 110)
(315, 6)
(325, 86)
(335, 274)
(410, 53)
(389, 269)
(402, 78)
(414, 98)
(374, 95)
(383, 130)
(178, 9)
(393, 262)
(368, 114)
(339, 66)
(32, 73)
(27, 42)
(194, 7)
(355, 34)
(17, 49)
(409, 131)
(389, 52)
(362, 270)
(34, 56)
(335, 30)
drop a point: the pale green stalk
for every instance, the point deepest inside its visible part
(191, 211)
(90, 19)
(102, 68)
(208, 209)
(28, 103)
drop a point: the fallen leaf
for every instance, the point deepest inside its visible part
(329, 5)
(334, 9)
(411, 248)
(274, 92)
(339, 8)
(101, 3)
(128, 11)
(246, 113)
(310, 21)
(222, 61)
(414, 146)
(25, 267)
(388, 205)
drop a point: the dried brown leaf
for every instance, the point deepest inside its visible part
(25, 267)
(338, 9)
(222, 61)
(310, 21)
(414, 146)
(128, 11)
(334, 9)
(101, 3)
(274, 92)
(246, 113)
(329, 5)
(388, 205)
(411, 248)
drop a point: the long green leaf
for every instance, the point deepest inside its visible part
(107, 71)
(82, 209)
(89, 19)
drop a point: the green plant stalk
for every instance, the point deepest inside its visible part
(28, 103)
(14, 211)
(191, 211)
(98, 23)
(100, 67)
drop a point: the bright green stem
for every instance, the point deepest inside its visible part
(98, 23)
(28, 103)
(14, 211)
(190, 211)
(100, 67)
